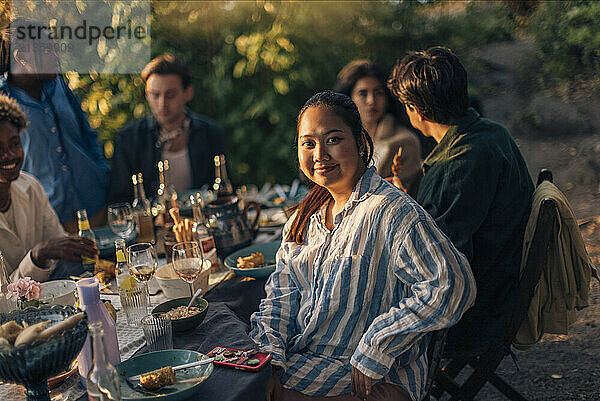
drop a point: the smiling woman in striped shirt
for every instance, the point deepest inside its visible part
(363, 275)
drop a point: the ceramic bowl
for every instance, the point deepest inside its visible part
(186, 324)
(174, 287)
(59, 292)
(188, 380)
(32, 364)
(268, 249)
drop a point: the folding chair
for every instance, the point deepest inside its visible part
(485, 364)
(435, 350)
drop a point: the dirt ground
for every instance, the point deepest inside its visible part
(561, 367)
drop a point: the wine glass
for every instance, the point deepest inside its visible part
(120, 219)
(142, 263)
(187, 262)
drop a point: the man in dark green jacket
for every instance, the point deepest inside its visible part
(475, 185)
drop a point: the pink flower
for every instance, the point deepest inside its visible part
(25, 288)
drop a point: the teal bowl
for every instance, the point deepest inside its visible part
(155, 360)
(32, 364)
(268, 249)
(186, 324)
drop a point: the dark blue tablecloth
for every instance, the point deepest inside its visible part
(226, 324)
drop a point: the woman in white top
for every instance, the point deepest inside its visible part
(31, 237)
(363, 274)
(365, 82)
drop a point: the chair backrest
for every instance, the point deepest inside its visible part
(536, 260)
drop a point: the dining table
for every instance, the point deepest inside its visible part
(231, 301)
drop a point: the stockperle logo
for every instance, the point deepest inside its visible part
(82, 36)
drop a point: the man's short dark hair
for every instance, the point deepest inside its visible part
(168, 64)
(12, 113)
(432, 81)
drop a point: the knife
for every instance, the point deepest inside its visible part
(179, 367)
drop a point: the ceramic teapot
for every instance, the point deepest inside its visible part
(229, 225)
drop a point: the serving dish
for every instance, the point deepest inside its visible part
(174, 287)
(32, 364)
(155, 360)
(59, 292)
(186, 324)
(268, 249)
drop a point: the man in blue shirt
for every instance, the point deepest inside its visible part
(61, 149)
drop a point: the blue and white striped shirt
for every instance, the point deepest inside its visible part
(366, 294)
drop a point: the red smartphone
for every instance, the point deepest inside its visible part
(251, 360)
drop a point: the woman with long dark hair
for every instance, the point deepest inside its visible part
(365, 83)
(363, 274)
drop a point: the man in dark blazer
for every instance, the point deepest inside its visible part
(172, 132)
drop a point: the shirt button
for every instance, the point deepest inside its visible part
(59, 149)
(64, 167)
(53, 129)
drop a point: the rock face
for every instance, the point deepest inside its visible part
(550, 117)
(526, 113)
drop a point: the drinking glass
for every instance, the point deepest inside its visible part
(120, 219)
(142, 263)
(158, 332)
(187, 262)
(134, 302)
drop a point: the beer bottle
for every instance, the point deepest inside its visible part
(166, 194)
(142, 211)
(121, 268)
(86, 232)
(222, 185)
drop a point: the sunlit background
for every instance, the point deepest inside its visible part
(254, 63)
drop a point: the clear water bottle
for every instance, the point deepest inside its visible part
(102, 380)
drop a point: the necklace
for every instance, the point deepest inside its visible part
(165, 136)
(6, 205)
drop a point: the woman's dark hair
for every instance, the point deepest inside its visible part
(168, 64)
(345, 108)
(356, 70)
(363, 68)
(432, 81)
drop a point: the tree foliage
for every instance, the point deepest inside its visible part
(255, 63)
(567, 39)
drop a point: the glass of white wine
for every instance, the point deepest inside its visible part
(187, 262)
(120, 219)
(142, 263)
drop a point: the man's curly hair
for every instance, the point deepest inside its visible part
(12, 113)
